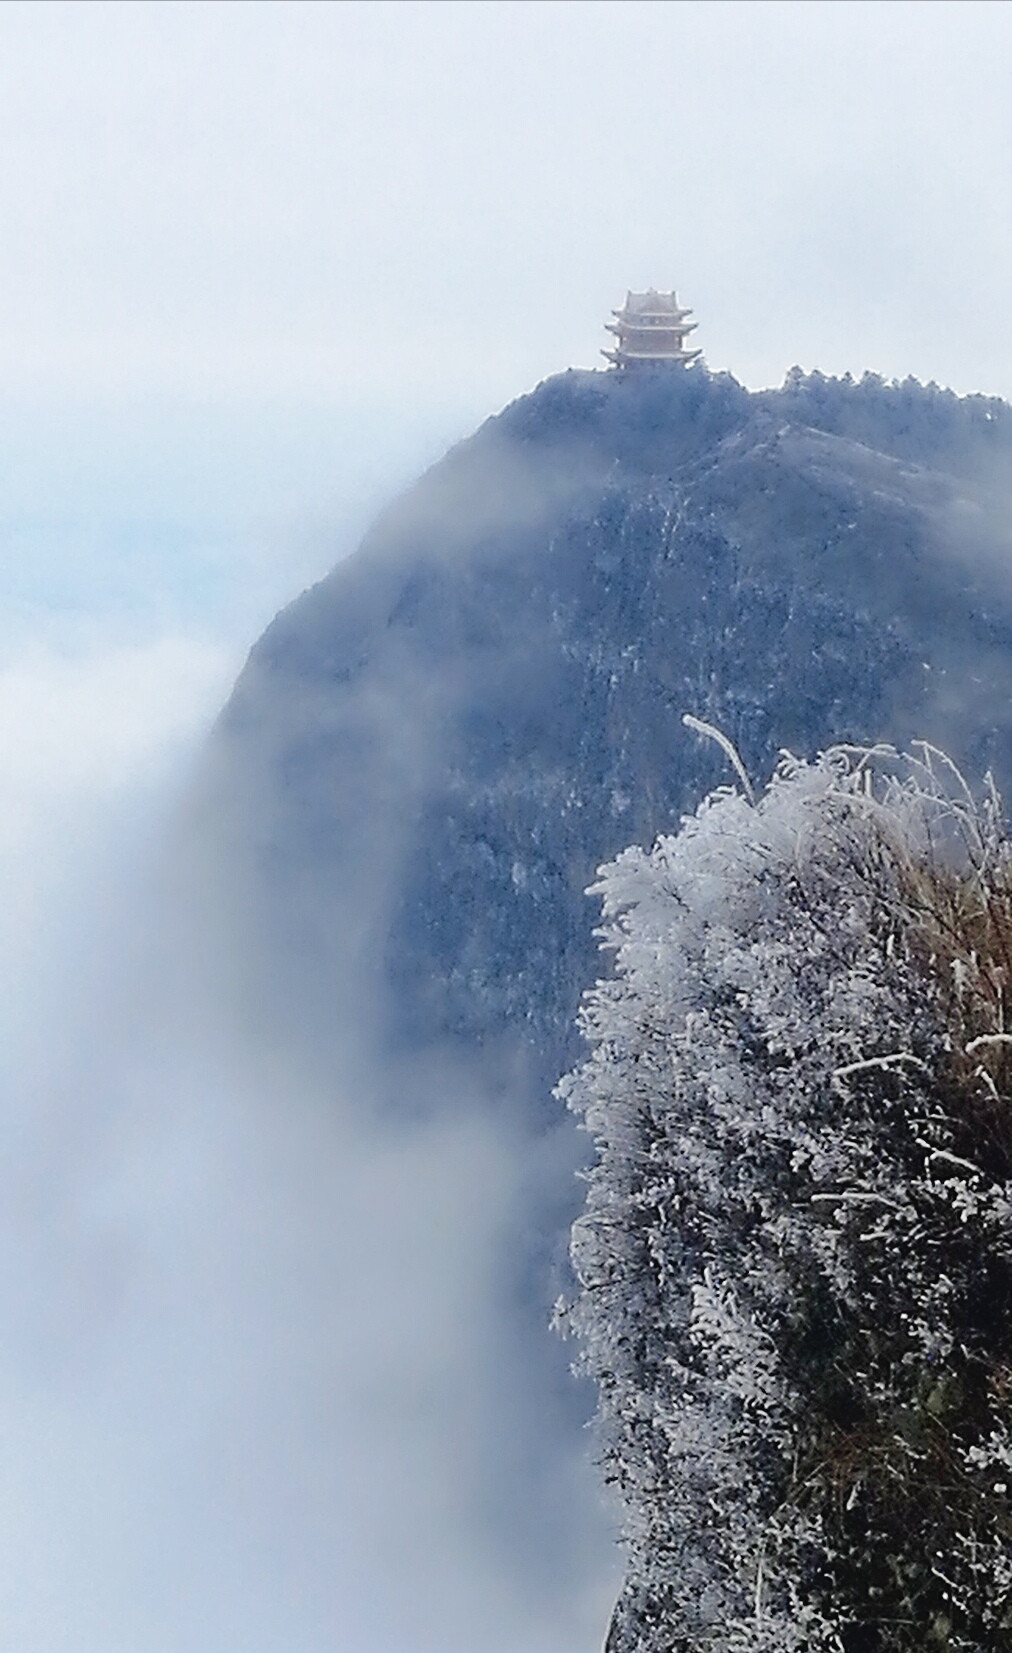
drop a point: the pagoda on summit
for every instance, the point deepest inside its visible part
(651, 327)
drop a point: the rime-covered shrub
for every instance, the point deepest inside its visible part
(795, 1258)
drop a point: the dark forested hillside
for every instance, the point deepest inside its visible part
(430, 752)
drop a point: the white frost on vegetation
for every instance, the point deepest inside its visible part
(795, 1257)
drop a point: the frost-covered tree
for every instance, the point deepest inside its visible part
(795, 1258)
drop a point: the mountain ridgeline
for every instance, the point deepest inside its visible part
(429, 753)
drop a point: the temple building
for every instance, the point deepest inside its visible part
(651, 327)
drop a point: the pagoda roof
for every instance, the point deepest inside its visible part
(652, 303)
(650, 324)
(622, 354)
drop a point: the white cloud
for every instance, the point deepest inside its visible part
(245, 1334)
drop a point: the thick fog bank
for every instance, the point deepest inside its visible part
(250, 1356)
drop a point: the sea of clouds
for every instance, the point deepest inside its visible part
(246, 1337)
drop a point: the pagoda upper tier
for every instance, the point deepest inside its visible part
(651, 327)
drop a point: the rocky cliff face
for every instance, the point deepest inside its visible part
(485, 702)
(428, 755)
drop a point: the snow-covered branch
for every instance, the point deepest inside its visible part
(796, 1256)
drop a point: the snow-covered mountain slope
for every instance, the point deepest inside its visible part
(430, 752)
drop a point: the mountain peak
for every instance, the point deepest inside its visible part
(430, 753)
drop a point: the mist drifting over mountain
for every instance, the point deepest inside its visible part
(285, 1197)
(422, 764)
(288, 1194)
(488, 695)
